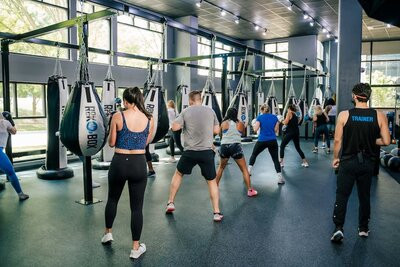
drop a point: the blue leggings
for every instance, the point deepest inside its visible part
(7, 168)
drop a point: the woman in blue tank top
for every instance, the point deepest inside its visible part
(231, 147)
(268, 125)
(130, 132)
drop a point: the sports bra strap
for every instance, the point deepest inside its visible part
(123, 120)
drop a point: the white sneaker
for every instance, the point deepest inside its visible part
(137, 253)
(305, 165)
(281, 180)
(323, 146)
(282, 165)
(95, 184)
(170, 207)
(218, 217)
(249, 169)
(107, 238)
(171, 160)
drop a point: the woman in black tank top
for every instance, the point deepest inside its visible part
(292, 133)
(321, 119)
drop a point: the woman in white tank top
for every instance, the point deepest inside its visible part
(231, 147)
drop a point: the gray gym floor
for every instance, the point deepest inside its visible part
(286, 225)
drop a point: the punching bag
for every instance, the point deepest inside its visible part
(56, 153)
(239, 102)
(292, 100)
(260, 97)
(109, 106)
(182, 102)
(83, 128)
(155, 105)
(182, 98)
(302, 103)
(315, 102)
(271, 100)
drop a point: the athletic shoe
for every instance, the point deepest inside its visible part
(151, 174)
(328, 151)
(315, 150)
(218, 217)
(323, 146)
(23, 196)
(95, 184)
(170, 207)
(363, 232)
(171, 160)
(282, 165)
(107, 238)
(281, 180)
(137, 253)
(337, 236)
(305, 165)
(251, 192)
(249, 169)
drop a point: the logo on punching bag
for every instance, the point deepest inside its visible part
(243, 117)
(91, 127)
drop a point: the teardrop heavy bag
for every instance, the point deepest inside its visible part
(108, 103)
(260, 101)
(57, 96)
(155, 104)
(210, 100)
(304, 110)
(272, 102)
(240, 103)
(182, 97)
(83, 128)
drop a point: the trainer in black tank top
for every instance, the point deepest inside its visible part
(321, 120)
(360, 132)
(292, 126)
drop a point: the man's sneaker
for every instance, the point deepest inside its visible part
(107, 238)
(23, 196)
(281, 180)
(170, 207)
(95, 184)
(315, 150)
(171, 160)
(282, 165)
(252, 193)
(305, 165)
(363, 232)
(249, 169)
(151, 174)
(323, 146)
(218, 217)
(337, 236)
(137, 253)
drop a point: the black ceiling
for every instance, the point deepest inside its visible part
(271, 14)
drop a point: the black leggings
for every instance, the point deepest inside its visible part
(132, 168)
(296, 141)
(272, 149)
(172, 141)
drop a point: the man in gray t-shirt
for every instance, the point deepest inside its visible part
(198, 124)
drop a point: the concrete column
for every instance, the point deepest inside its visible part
(349, 51)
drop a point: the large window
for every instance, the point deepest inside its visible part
(19, 16)
(320, 56)
(99, 32)
(28, 108)
(140, 37)
(204, 48)
(380, 63)
(280, 49)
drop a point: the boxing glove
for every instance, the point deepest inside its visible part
(253, 122)
(7, 115)
(280, 118)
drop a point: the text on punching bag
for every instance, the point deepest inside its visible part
(91, 127)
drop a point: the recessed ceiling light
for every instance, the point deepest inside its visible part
(290, 7)
(312, 23)
(336, 40)
(256, 27)
(237, 20)
(198, 4)
(388, 25)
(265, 32)
(324, 30)
(305, 15)
(328, 35)
(223, 12)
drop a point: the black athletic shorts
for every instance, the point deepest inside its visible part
(234, 151)
(205, 160)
